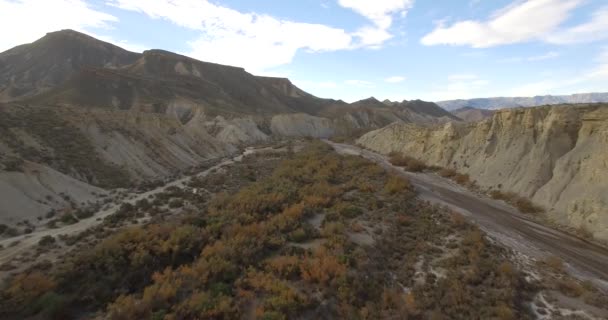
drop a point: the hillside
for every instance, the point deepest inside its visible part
(552, 155)
(87, 112)
(470, 114)
(512, 102)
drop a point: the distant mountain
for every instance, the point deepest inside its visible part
(36, 67)
(420, 107)
(469, 114)
(506, 102)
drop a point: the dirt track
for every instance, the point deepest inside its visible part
(504, 223)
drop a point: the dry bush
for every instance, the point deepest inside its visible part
(396, 184)
(570, 287)
(499, 195)
(458, 219)
(461, 179)
(584, 232)
(526, 206)
(356, 227)
(409, 163)
(522, 204)
(554, 263)
(447, 173)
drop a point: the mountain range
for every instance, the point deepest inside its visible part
(512, 102)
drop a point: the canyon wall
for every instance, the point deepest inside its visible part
(557, 156)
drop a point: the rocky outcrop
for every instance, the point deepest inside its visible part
(557, 156)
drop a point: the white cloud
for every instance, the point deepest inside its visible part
(394, 79)
(360, 83)
(372, 37)
(378, 11)
(594, 30)
(24, 21)
(260, 42)
(519, 22)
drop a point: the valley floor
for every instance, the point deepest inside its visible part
(304, 231)
(506, 225)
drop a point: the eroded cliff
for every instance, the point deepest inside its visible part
(557, 156)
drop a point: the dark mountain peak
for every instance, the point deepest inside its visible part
(369, 102)
(370, 99)
(390, 103)
(49, 61)
(68, 34)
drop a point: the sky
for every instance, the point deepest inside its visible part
(353, 49)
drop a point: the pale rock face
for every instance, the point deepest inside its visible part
(557, 156)
(238, 131)
(301, 125)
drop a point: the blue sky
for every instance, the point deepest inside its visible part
(353, 49)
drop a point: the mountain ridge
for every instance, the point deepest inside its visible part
(512, 102)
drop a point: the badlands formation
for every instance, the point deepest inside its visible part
(556, 156)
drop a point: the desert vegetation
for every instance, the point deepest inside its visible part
(319, 235)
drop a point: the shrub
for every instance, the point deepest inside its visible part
(570, 287)
(52, 306)
(351, 211)
(499, 195)
(176, 203)
(555, 263)
(68, 218)
(46, 241)
(522, 204)
(457, 219)
(83, 214)
(447, 173)
(396, 185)
(14, 165)
(298, 235)
(526, 206)
(461, 179)
(409, 163)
